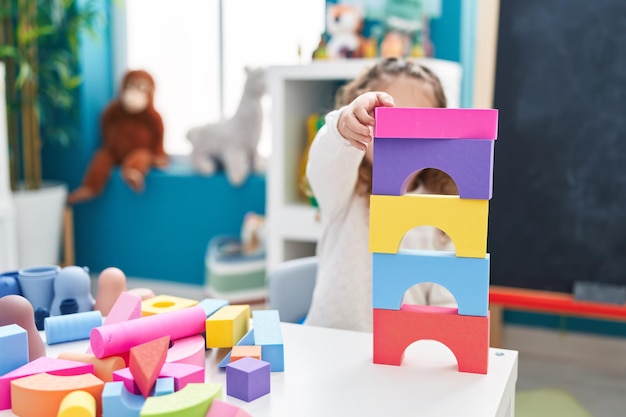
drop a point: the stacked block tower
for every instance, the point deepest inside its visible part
(459, 142)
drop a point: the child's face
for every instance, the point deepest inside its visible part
(406, 92)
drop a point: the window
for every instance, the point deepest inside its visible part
(178, 42)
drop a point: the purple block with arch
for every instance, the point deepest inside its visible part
(468, 161)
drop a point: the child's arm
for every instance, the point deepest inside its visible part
(357, 119)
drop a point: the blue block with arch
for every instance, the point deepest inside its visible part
(466, 278)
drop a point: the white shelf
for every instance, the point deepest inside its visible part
(297, 92)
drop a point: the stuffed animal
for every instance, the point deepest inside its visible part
(253, 234)
(132, 137)
(343, 26)
(231, 143)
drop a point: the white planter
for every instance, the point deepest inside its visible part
(39, 224)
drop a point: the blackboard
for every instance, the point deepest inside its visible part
(558, 212)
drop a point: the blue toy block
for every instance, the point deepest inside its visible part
(70, 327)
(119, 402)
(248, 379)
(211, 305)
(247, 340)
(466, 278)
(267, 334)
(14, 348)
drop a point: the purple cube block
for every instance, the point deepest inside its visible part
(248, 379)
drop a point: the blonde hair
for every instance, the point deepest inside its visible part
(381, 73)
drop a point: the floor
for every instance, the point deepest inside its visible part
(591, 368)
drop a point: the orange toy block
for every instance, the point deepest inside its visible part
(146, 361)
(41, 395)
(239, 352)
(466, 336)
(103, 368)
(165, 303)
(39, 365)
(78, 404)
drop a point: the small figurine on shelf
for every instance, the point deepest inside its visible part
(320, 51)
(344, 24)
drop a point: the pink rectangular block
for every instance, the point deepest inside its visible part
(223, 409)
(436, 123)
(40, 365)
(127, 307)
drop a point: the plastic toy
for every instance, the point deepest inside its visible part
(248, 379)
(211, 305)
(267, 334)
(120, 337)
(223, 409)
(165, 303)
(247, 340)
(189, 350)
(70, 327)
(78, 404)
(15, 309)
(193, 400)
(111, 284)
(232, 143)
(240, 351)
(126, 307)
(72, 283)
(103, 368)
(227, 326)
(460, 141)
(37, 284)
(38, 366)
(41, 395)
(146, 361)
(9, 284)
(394, 274)
(14, 348)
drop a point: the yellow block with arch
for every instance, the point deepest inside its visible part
(165, 303)
(463, 220)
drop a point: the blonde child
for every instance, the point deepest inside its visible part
(339, 171)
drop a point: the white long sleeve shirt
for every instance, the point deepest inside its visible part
(343, 292)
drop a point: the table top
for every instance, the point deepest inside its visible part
(330, 372)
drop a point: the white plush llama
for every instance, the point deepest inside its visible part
(232, 143)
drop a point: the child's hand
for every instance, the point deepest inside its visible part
(356, 120)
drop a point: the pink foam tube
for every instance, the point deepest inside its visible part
(120, 337)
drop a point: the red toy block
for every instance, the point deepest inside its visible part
(146, 361)
(466, 336)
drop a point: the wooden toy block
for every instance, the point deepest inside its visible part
(193, 400)
(71, 327)
(466, 336)
(42, 364)
(41, 395)
(14, 348)
(146, 361)
(223, 409)
(239, 352)
(117, 401)
(211, 305)
(180, 373)
(165, 303)
(248, 379)
(466, 278)
(436, 123)
(464, 221)
(227, 326)
(190, 350)
(103, 368)
(268, 335)
(120, 337)
(247, 340)
(126, 307)
(77, 404)
(468, 162)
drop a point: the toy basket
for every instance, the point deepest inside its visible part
(233, 275)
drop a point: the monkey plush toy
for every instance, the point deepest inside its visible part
(132, 137)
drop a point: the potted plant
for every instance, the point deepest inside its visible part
(39, 45)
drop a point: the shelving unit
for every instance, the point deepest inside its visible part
(297, 92)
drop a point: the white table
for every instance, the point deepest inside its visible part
(330, 373)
